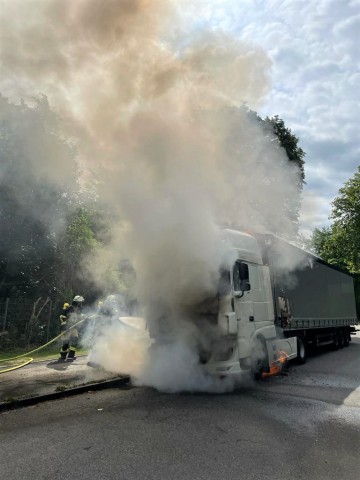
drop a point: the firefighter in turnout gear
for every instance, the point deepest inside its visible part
(104, 314)
(70, 315)
(106, 310)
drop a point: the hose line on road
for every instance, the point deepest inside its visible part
(36, 349)
(17, 366)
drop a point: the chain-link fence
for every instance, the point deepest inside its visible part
(28, 322)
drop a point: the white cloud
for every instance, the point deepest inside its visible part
(314, 48)
(313, 213)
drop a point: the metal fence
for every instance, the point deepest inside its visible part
(28, 321)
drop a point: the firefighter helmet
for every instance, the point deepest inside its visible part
(66, 305)
(78, 300)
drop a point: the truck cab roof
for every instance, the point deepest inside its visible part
(246, 246)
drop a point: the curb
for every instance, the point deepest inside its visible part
(90, 387)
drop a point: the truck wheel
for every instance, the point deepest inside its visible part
(345, 337)
(301, 348)
(259, 361)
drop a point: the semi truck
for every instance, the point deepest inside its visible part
(275, 302)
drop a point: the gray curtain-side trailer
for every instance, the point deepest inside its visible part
(312, 299)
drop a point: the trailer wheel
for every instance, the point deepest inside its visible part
(345, 337)
(302, 351)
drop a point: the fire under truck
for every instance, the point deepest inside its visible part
(275, 302)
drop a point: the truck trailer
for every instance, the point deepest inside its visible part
(275, 302)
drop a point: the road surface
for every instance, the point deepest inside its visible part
(41, 378)
(305, 425)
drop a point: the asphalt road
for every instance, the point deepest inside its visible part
(304, 425)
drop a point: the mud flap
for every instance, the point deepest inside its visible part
(281, 346)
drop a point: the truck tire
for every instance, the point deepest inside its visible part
(345, 337)
(259, 360)
(302, 350)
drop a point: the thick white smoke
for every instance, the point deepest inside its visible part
(155, 114)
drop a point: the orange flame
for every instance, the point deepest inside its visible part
(276, 367)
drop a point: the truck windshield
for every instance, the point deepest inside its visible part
(209, 307)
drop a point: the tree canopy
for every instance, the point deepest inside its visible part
(46, 231)
(290, 143)
(284, 175)
(32, 204)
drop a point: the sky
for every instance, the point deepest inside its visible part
(314, 78)
(314, 48)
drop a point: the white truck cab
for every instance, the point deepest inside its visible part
(246, 314)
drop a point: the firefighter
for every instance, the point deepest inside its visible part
(97, 323)
(63, 316)
(70, 315)
(99, 310)
(109, 308)
(104, 313)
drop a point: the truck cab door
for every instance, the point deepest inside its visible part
(243, 306)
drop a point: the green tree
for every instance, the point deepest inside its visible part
(72, 248)
(276, 136)
(36, 182)
(346, 215)
(290, 143)
(49, 229)
(295, 155)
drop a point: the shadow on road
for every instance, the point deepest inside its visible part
(59, 366)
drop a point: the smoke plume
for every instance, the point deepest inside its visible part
(153, 105)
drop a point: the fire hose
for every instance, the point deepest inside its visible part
(36, 349)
